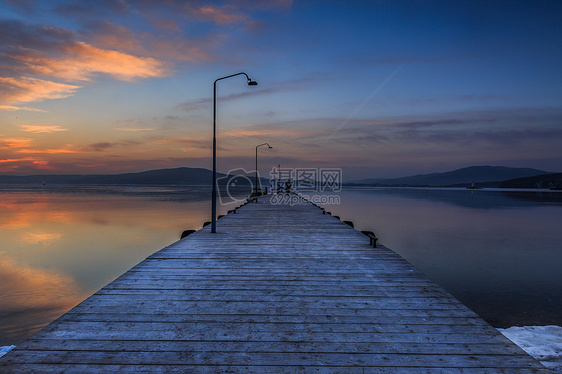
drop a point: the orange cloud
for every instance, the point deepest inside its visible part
(272, 132)
(15, 143)
(192, 142)
(38, 129)
(47, 151)
(134, 129)
(13, 108)
(223, 15)
(25, 89)
(8, 168)
(229, 14)
(8, 160)
(43, 164)
(16, 164)
(74, 61)
(82, 60)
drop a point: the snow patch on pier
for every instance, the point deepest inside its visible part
(5, 349)
(542, 342)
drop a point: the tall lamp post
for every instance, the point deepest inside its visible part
(257, 146)
(214, 190)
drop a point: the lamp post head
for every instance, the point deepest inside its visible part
(261, 145)
(252, 83)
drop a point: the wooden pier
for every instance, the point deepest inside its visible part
(278, 289)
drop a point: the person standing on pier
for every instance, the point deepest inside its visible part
(288, 186)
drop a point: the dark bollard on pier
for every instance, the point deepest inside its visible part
(372, 237)
(349, 223)
(186, 233)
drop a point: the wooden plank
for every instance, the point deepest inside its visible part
(212, 368)
(250, 308)
(273, 346)
(280, 289)
(74, 330)
(454, 318)
(275, 359)
(296, 337)
(174, 282)
(281, 295)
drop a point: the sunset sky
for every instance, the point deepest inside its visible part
(377, 88)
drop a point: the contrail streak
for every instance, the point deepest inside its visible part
(346, 121)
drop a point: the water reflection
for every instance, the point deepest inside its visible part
(32, 297)
(498, 252)
(62, 243)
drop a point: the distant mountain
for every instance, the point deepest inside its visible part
(537, 181)
(490, 175)
(177, 176)
(483, 176)
(369, 181)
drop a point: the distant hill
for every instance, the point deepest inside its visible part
(368, 181)
(483, 176)
(176, 176)
(179, 176)
(537, 181)
(489, 175)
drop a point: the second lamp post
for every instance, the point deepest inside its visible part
(256, 184)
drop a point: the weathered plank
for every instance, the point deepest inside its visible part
(453, 318)
(211, 367)
(315, 358)
(277, 347)
(279, 289)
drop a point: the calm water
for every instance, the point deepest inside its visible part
(58, 245)
(500, 253)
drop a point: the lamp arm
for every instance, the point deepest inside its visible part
(233, 75)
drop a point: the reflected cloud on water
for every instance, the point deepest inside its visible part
(31, 298)
(60, 244)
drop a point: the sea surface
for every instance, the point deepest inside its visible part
(498, 252)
